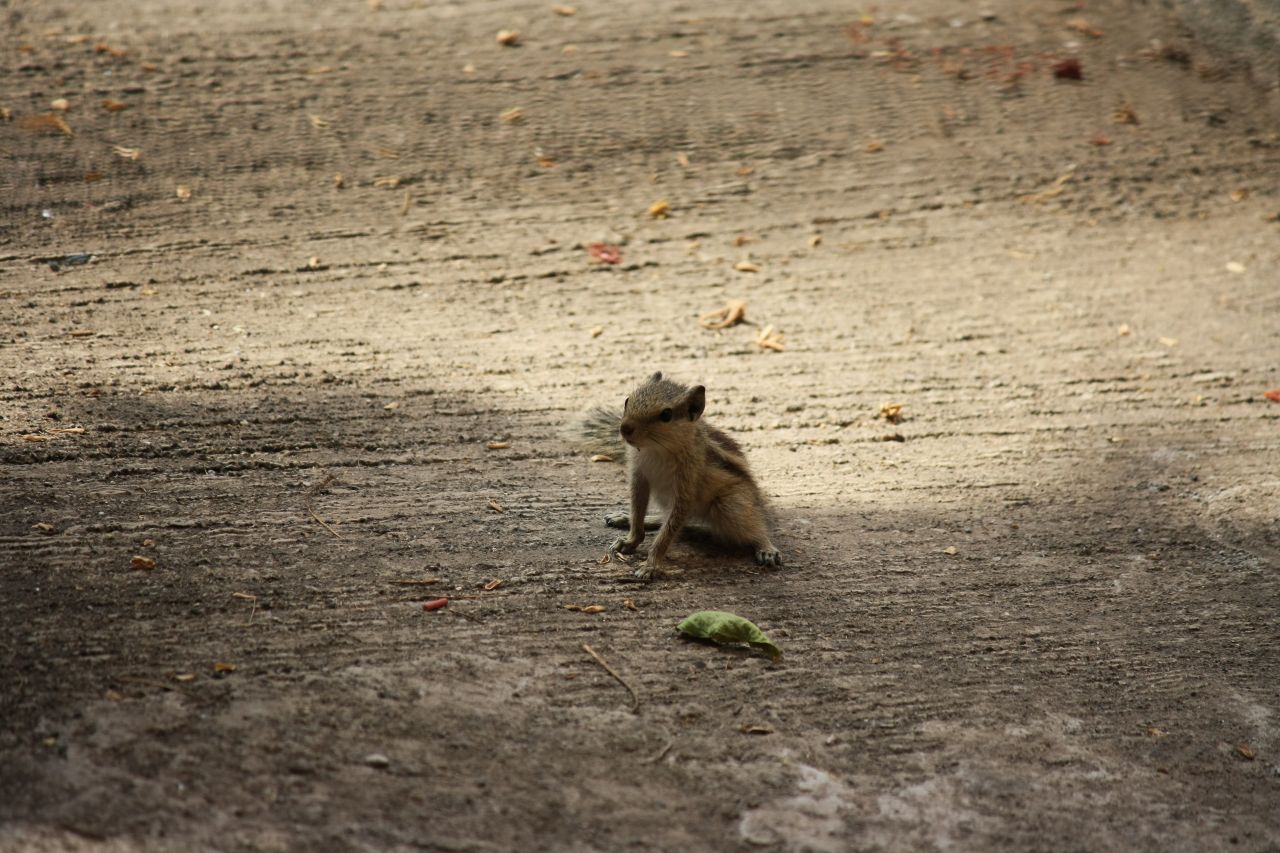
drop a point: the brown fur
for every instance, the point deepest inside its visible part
(695, 472)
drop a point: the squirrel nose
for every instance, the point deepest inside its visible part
(626, 429)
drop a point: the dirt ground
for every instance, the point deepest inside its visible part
(1039, 612)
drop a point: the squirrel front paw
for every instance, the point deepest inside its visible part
(624, 546)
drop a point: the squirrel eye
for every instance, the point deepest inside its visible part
(666, 415)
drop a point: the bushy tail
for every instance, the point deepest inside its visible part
(596, 431)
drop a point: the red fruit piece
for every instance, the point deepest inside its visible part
(436, 604)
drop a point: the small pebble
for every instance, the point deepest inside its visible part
(377, 759)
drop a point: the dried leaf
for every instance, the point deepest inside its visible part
(566, 11)
(221, 667)
(515, 115)
(1081, 25)
(746, 266)
(508, 38)
(1100, 139)
(660, 209)
(629, 604)
(1124, 114)
(770, 339)
(605, 253)
(1239, 194)
(733, 313)
(1068, 69)
(45, 123)
(60, 104)
(185, 677)
(142, 563)
(891, 412)
(392, 406)
(604, 457)
(1169, 342)
(719, 626)
(1123, 330)
(126, 153)
(1246, 752)
(1273, 395)
(317, 121)
(597, 331)
(1235, 267)
(815, 240)
(111, 105)
(493, 584)
(495, 506)
(755, 729)
(950, 550)
(683, 159)
(594, 608)
(498, 445)
(387, 182)
(182, 191)
(31, 436)
(875, 146)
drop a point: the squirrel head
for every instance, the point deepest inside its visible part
(661, 413)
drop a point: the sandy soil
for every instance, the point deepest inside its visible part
(1037, 613)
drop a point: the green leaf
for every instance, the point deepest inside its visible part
(721, 627)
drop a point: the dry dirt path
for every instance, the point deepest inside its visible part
(1041, 615)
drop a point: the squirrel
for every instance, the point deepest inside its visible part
(694, 471)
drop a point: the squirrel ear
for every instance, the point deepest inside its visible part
(696, 400)
(657, 377)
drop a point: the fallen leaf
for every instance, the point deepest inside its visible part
(746, 266)
(60, 104)
(66, 430)
(495, 506)
(42, 527)
(126, 153)
(875, 146)
(493, 584)
(815, 240)
(1169, 342)
(770, 339)
(683, 159)
(1239, 194)
(220, 666)
(498, 445)
(1124, 114)
(185, 677)
(31, 436)
(387, 182)
(744, 171)
(755, 729)
(111, 105)
(605, 253)
(722, 627)
(435, 604)
(1099, 139)
(1246, 752)
(1054, 190)
(597, 331)
(566, 11)
(143, 563)
(338, 181)
(508, 38)
(515, 115)
(1123, 330)
(1235, 267)
(594, 608)
(392, 406)
(46, 123)
(1080, 25)
(742, 240)
(1068, 69)
(660, 209)
(950, 550)
(629, 604)
(103, 47)
(1153, 731)
(733, 313)
(1273, 395)
(317, 121)
(603, 457)
(891, 412)
(182, 191)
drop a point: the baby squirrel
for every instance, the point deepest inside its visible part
(694, 471)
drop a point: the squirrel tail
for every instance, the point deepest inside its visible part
(596, 431)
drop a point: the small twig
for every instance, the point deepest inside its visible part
(662, 753)
(468, 616)
(423, 582)
(125, 679)
(321, 520)
(635, 700)
(404, 209)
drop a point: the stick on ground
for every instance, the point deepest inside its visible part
(635, 700)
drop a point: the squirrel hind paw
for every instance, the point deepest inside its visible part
(768, 557)
(618, 520)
